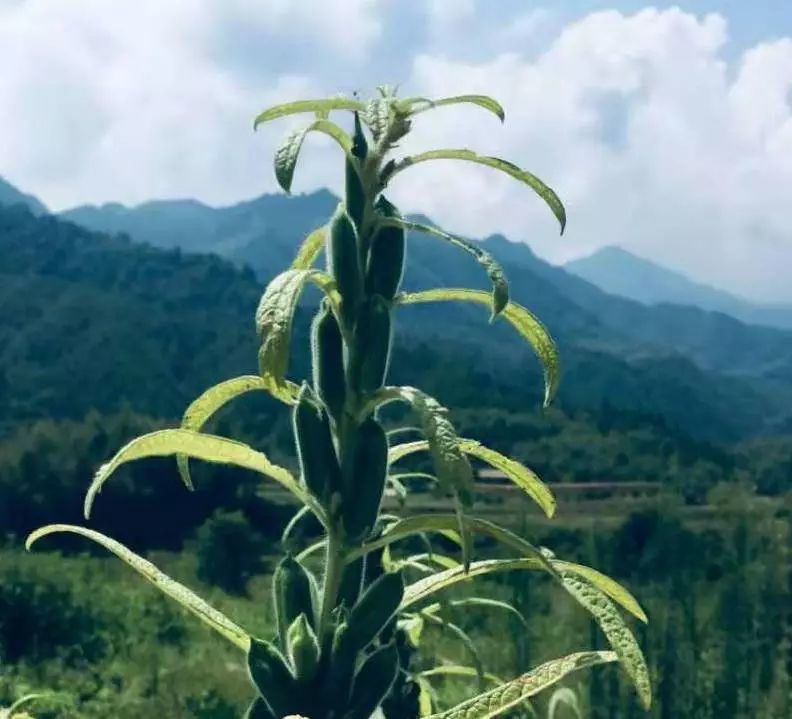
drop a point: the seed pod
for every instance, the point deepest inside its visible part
(363, 495)
(351, 582)
(385, 266)
(376, 608)
(293, 591)
(303, 649)
(344, 262)
(271, 676)
(355, 192)
(369, 362)
(318, 460)
(327, 350)
(337, 682)
(373, 682)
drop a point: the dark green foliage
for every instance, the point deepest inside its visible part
(228, 551)
(351, 582)
(337, 680)
(363, 494)
(376, 608)
(369, 365)
(386, 256)
(293, 594)
(273, 678)
(373, 681)
(344, 261)
(259, 710)
(318, 461)
(327, 360)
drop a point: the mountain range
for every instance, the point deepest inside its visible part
(135, 284)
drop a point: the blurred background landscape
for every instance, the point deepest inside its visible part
(669, 445)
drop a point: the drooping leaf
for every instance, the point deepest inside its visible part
(310, 249)
(499, 700)
(484, 101)
(520, 318)
(523, 477)
(288, 152)
(566, 697)
(318, 106)
(615, 629)
(274, 323)
(539, 187)
(207, 447)
(426, 587)
(500, 286)
(426, 697)
(202, 409)
(184, 596)
(482, 602)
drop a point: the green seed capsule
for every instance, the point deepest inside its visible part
(363, 495)
(327, 350)
(293, 591)
(337, 681)
(385, 266)
(344, 263)
(303, 649)
(351, 582)
(318, 460)
(355, 192)
(369, 364)
(271, 676)
(373, 682)
(376, 608)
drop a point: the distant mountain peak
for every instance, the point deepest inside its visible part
(10, 195)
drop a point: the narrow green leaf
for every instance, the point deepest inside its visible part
(425, 697)
(500, 286)
(319, 106)
(274, 324)
(10, 713)
(463, 637)
(615, 629)
(509, 695)
(605, 584)
(520, 318)
(288, 152)
(482, 602)
(310, 249)
(184, 596)
(202, 409)
(484, 101)
(208, 447)
(539, 187)
(523, 477)
(565, 696)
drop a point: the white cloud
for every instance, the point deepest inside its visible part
(652, 139)
(637, 123)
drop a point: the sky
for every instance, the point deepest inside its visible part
(666, 129)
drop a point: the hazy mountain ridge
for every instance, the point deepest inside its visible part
(620, 272)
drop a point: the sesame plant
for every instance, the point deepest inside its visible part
(350, 607)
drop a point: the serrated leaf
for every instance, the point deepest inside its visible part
(523, 477)
(500, 286)
(213, 399)
(518, 316)
(615, 629)
(274, 317)
(509, 695)
(323, 106)
(184, 596)
(488, 103)
(310, 249)
(540, 188)
(287, 154)
(207, 447)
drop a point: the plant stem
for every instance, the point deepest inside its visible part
(334, 568)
